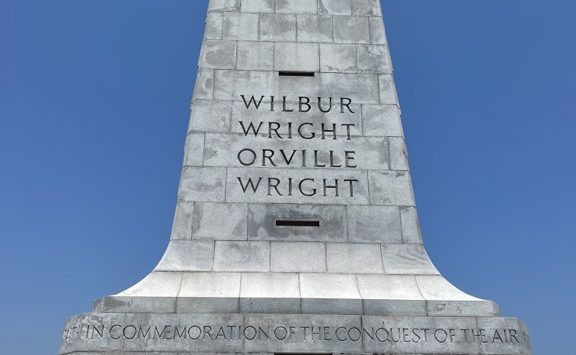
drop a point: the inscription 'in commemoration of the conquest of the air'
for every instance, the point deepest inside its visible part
(298, 333)
(273, 144)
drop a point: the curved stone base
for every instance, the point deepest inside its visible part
(146, 333)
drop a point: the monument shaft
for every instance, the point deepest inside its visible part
(296, 228)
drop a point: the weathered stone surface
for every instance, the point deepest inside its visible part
(315, 28)
(187, 255)
(410, 225)
(182, 226)
(296, 57)
(391, 188)
(277, 27)
(209, 224)
(270, 293)
(381, 120)
(344, 258)
(298, 257)
(203, 184)
(218, 54)
(242, 256)
(214, 26)
(255, 55)
(210, 116)
(297, 6)
(380, 224)
(335, 7)
(240, 26)
(348, 29)
(204, 88)
(262, 222)
(407, 259)
(258, 6)
(203, 292)
(339, 58)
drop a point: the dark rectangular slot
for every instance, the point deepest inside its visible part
(292, 223)
(297, 73)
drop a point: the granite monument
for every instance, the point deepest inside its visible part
(296, 229)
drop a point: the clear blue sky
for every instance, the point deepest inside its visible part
(94, 98)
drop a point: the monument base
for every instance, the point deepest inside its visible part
(147, 333)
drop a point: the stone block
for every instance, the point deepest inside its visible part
(394, 287)
(297, 6)
(262, 222)
(204, 88)
(298, 257)
(220, 221)
(224, 84)
(218, 54)
(408, 259)
(329, 294)
(391, 295)
(202, 184)
(398, 154)
(388, 94)
(354, 258)
(381, 120)
(255, 56)
(379, 224)
(258, 6)
(307, 186)
(240, 26)
(302, 57)
(182, 226)
(335, 7)
(210, 116)
(242, 256)
(366, 8)
(156, 292)
(224, 5)
(351, 29)
(270, 293)
(156, 284)
(213, 26)
(374, 59)
(391, 188)
(377, 31)
(209, 293)
(446, 300)
(314, 28)
(410, 225)
(339, 58)
(277, 27)
(194, 150)
(187, 255)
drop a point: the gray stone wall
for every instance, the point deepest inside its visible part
(369, 222)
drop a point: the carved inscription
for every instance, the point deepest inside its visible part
(271, 156)
(287, 332)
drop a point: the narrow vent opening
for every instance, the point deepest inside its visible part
(296, 223)
(297, 73)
